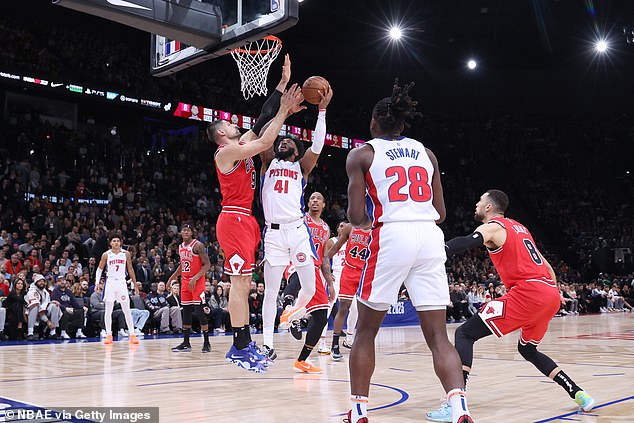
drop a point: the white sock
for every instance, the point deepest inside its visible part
(359, 407)
(267, 334)
(458, 401)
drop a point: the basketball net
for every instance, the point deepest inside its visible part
(254, 60)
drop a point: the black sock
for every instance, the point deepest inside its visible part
(186, 332)
(248, 329)
(335, 339)
(206, 337)
(565, 382)
(288, 300)
(241, 337)
(305, 353)
(465, 375)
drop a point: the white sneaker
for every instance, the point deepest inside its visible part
(323, 348)
(123, 333)
(103, 333)
(80, 334)
(138, 332)
(219, 330)
(64, 335)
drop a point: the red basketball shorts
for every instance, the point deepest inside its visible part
(528, 306)
(238, 235)
(197, 296)
(349, 282)
(320, 299)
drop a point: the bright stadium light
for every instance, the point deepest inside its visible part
(396, 33)
(472, 64)
(601, 46)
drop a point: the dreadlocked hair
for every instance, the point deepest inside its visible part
(392, 112)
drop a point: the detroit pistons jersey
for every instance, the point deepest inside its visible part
(319, 233)
(399, 182)
(518, 260)
(191, 263)
(283, 192)
(357, 248)
(117, 265)
(337, 259)
(237, 186)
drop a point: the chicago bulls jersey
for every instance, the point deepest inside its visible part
(237, 186)
(399, 182)
(319, 233)
(283, 192)
(191, 263)
(117, 265)
(518, 260)
(338, 258)
(357, 248)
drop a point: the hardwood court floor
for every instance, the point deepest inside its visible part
(596, 351)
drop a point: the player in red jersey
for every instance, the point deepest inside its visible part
(318, 304)
(356, 254)
(194, 264)
(237, 230)
(530, 303)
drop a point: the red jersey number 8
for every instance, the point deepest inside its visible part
(418, 178)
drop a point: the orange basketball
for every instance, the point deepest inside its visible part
(314, 88)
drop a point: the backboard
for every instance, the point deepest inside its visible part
(242, 21)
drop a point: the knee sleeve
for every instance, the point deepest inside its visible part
(319, 320)
(466, 335)
(187, 314)
(543, 363)
(200, 314)
(293, 286)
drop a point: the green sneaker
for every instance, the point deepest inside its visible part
(585, 401)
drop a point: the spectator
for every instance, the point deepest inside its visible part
(139, 314)
(219, 309)
(15, 305)
(72, 309)
(41, 309)
(156, 303)
(255, 310)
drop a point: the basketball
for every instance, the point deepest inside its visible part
(313, 88)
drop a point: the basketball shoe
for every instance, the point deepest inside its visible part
(182, 347)
(108, 340)
(288, 315)
(336, 353)
(349, 419)
(323, 347)
(134, 339)
(296, 329)
(270, 352)
(442, 414)
(243, 358)
(306, 367)
(259, 354)
(585, 401)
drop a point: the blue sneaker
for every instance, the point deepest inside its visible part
(585, 401)
(259, 354)
(443, 414)
(245, 359)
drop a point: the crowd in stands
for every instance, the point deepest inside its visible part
(566, 178)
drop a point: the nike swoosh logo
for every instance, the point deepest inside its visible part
(54, 85)
(124, 3)
(236, 357)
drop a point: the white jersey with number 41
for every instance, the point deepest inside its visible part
(283, 192)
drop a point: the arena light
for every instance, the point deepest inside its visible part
(396, 33)
(472, 64)
(601, 46)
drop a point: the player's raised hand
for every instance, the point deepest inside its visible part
(345, 231)
(286, 70)
(291, 98)
(325, 98)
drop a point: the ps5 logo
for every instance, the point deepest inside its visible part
(124, 3)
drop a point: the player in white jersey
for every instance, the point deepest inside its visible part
(285, 170)
(115, 288)
(402, 182)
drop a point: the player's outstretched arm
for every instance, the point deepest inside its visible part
(100, 267)
(309, 161)
(227, 156)
(490, 234)
(436, 186)
(332, 248)
(357, 164)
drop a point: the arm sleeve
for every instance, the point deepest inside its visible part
(268, 112)
(98, 275)
(464, 243)
(319, 136)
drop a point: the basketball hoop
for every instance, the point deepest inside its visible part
(254, 60)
